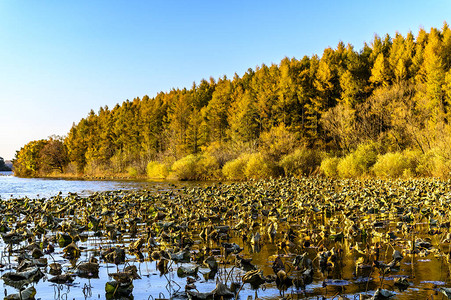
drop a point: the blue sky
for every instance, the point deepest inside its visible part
(60, 59)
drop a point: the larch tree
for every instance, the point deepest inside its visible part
(217, 110)
(381, 72)
(243, 119)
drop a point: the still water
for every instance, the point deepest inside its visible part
(14, 187)
(426, 274)
(152, 284)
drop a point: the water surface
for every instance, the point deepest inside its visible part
(15, 187)
(426, 273)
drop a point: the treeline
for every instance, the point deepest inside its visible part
(38, 158)
(3, 166)
(346, 111)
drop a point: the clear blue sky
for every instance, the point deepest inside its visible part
(60, 59)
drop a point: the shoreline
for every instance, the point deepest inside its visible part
(94, 178)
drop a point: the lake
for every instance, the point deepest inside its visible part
(11, 186)
(348, 230)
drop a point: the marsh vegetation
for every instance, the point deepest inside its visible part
(296, 238)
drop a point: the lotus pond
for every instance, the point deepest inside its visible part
(308, 238)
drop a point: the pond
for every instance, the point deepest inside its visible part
(11, 186)
(297, 238)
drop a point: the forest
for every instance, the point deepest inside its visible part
(383, 111)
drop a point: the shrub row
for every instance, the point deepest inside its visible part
(301, 162)
(191, 167)
(366, 161)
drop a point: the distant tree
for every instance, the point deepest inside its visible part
(446, 46)
(243, 119)
(41, 157)
(203, 92)
(27, 160)
(76, 143)
(265, 88)
(3, 166)
(179, 113)
(152, 112)
(381, 72)
(194, 135)
(217, 109)
(339, 122)
(53, 156)
(286, 109)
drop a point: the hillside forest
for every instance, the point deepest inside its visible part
(383, 111)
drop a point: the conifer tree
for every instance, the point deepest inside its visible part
(217, 110)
